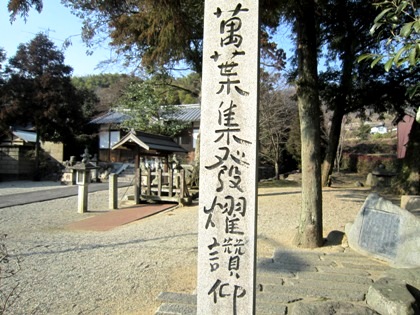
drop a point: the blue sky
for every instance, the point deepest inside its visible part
(56, 21)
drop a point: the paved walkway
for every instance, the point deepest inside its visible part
(27, 197)
(115, 218)
(101, 222)
(301, 282)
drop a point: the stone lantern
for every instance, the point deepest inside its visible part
(83, 172)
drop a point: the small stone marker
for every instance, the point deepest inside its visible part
(387, 232)
(228, 159)
(113, 191)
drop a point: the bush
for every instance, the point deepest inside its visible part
(366, 163)
(363, 132)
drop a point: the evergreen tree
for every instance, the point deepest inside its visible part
(39, 92)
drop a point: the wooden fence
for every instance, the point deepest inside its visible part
(159, 185)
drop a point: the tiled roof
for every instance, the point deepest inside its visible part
(189, 113)
(185, 113)
(110, 118)
(149, 142)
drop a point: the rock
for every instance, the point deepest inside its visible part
(389, 296)
(385, 231)
(329, 308)
(410, 202)
(368, 180)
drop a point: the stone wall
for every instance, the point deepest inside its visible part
(54, 150)
(15, 163)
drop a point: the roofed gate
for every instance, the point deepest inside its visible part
(155, 181)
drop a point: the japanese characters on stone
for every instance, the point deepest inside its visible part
(227, 209)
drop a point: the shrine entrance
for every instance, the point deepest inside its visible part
(158, 177)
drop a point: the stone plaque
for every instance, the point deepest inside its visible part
(228, 158)
(380, 232)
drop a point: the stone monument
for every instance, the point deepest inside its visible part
(228, 159)
(387, 232)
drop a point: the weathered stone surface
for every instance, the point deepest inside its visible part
(371, 267)
(176, 309)
(287, 267)
(329, 308)
(410, 202)
(328, 285)
(228, 164)
(387, 232)
(409, 276)
(267, 298)
(390, 296)
(334, 277)
(398, 289)
(344, 271)
(301, 291)
(271, 309)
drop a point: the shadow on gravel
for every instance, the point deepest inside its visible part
(349, 194)
(279, 193)
(90, 247)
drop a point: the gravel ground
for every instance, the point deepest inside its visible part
(122, 271)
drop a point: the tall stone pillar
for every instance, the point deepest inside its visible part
(228, 159)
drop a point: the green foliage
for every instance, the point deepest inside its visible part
(379, 136)
(90, 101)
(399, 24)
(99, 81)
(146, 103)
(366, 163)
(188, 88)
(38, 91)
(364, 131)
(155, 33)
(106, 88)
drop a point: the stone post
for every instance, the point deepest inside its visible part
(82, 201)
(113, 191)
(228, 159)
(137, 180)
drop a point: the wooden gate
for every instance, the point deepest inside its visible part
(159, 185)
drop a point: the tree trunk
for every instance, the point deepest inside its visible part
(277, 170)
(309, 232)
(195, 176)
(341, 104)
(333, 141)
